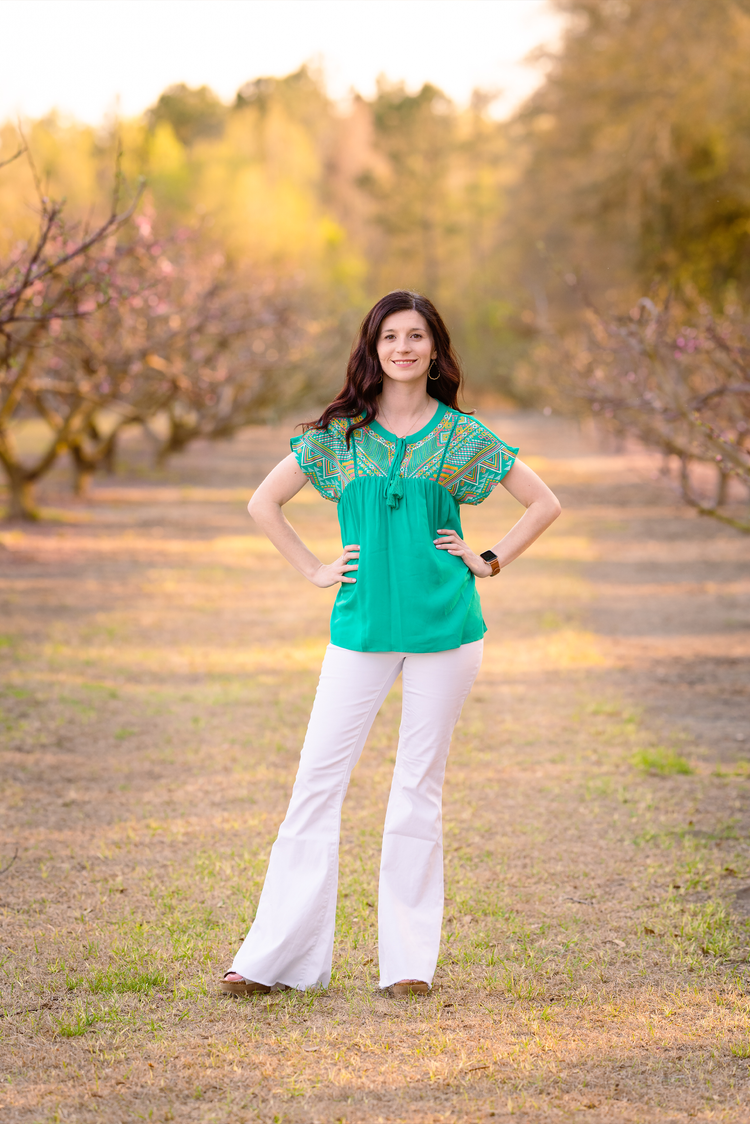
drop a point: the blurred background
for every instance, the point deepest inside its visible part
(198, 202)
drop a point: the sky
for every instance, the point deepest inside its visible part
(89, 58)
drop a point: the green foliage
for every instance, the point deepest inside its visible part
(131, 969)
(711, 927)
(637, 147)
(659, 759)
(437, 181)
(77, 1023)
(123, 979)
(192, 114)
(418, 135)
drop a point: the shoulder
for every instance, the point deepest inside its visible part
(323, 442)
(323, 456)
(476, 461)
(473, 436)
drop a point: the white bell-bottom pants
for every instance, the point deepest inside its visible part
(291, 940)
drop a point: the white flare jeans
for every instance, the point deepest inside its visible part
(291, 940)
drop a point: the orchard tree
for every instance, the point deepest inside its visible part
(118, 327)
(167, 348)
(61, 276)
(675, 378)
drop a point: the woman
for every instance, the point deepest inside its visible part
(398, 457)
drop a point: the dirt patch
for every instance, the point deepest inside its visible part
(158, 662)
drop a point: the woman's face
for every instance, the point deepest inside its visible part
(405, 346)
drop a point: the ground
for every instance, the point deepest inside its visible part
(157, 667)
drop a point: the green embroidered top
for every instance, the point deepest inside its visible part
(392, 495)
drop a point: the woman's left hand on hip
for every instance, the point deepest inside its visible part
(454, 544)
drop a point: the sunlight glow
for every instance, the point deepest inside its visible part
(88, 59)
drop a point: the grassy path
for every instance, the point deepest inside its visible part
(157, 666)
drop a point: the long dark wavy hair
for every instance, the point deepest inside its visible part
(364, 375)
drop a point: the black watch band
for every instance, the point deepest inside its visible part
(492, 559)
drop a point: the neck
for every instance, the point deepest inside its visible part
(402, 402)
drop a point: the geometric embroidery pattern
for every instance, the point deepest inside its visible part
(461, 454)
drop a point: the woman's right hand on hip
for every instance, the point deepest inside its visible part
(337, 571)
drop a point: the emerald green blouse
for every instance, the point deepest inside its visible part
(392, 494)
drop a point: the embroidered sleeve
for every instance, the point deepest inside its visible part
(475, 462)
(324, 458)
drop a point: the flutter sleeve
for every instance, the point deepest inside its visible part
(475, 462)
(322, 455)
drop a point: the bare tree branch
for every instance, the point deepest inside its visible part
(20, 152)
(667, 375)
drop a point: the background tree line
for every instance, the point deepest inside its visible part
(283, 215)
(633, 233)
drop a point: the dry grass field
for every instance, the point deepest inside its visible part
(157, 666)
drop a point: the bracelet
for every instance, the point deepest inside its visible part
(492, 559)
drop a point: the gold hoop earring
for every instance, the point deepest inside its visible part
(433, 378)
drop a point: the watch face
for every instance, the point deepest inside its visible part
(488, 556)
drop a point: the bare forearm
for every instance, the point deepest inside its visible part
(533, 523)
(278, 488)
(272, 521)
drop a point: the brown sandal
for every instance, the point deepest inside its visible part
(408, 987)
(241, 986)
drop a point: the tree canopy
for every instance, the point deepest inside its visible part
(637, 147)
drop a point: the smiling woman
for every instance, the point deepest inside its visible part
(398, 457)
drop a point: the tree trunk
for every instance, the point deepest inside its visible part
(83, 470)
(179, 438)
(82, 474)
(722, 489)
(109, 459)
(21, 507)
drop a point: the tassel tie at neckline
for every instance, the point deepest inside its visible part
(394, 488)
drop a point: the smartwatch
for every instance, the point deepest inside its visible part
(492, 559)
